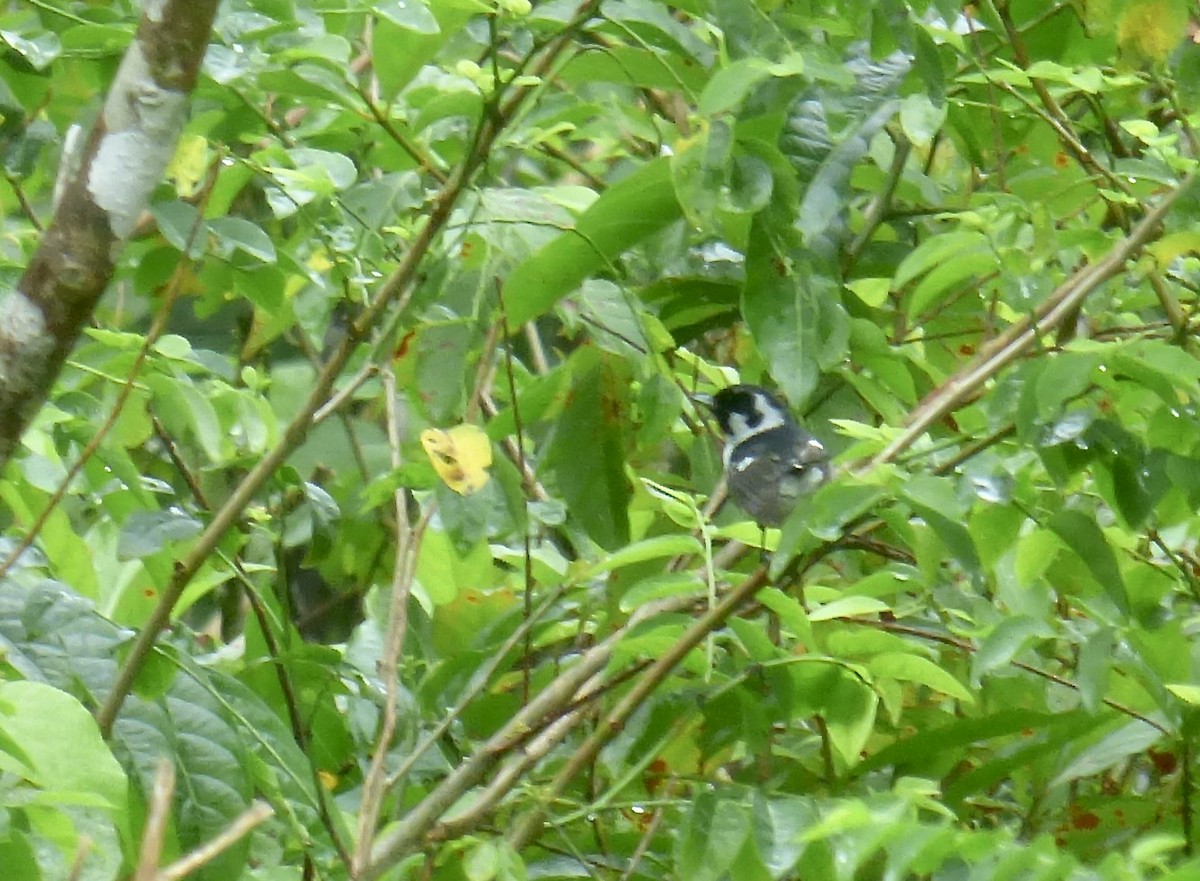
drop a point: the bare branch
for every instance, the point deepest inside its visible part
(242, 826)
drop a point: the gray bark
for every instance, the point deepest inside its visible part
(101, 198)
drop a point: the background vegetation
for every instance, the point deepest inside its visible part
(961, 240)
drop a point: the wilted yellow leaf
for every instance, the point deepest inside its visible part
(461, 456)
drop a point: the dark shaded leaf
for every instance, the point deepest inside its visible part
(1083, 536)
(587, 454)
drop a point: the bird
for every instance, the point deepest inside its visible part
(770, 461)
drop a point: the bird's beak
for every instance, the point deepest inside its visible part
(703, 399)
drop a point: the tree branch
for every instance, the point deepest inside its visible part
(121, 163)
(1008, 346)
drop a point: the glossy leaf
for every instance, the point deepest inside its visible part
(624, 215)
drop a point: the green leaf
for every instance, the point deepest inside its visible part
(194, 729)
(945, 278)
(1085, 538)
(1066, 376)
(1009, 638)
(790, 612)
(17, 857)
(443, 572)
(730, 85)
(828, 191)
(587, 453)
(173, 346)
(934, 501)
(625, 214)
(921, 119)
(1094, 669)
(236, 234)
(633, 66)
(836, 504)
(482, 862)
(1130, 739)
(659, 587)
(400, 51)
(182, 226)
(713, 834)
(924, 749)
(779, 822)
(795, 315)
(846, 607)
(937, 251)
(640, 551)
(850, 709)
(718, 184)
(872, 291)
(411, 15)
(60, 745)
(1040, 740)
(1189, 694)
(147, 532)
(185, 411)
(39, 50)
(915, 668)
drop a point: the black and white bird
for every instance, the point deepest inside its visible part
(770, 461)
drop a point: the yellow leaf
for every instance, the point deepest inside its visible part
(189, 165)
(460, 456)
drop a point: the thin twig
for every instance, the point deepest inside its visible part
(267, 627)
(344, 394)
(1186, 811)
(969, 648)
(527, 673)
(643, 845)
(514, 768)
(877, 208)
(158, 817)
(528, 477)
(82, 849)
(408, 540)
(242, 826)
(1054, 115)
(596, 183)
(537, 352)
(529, 825)
(424, 163)
(479, 681)
(176, 456)
(23, 201)
(1008, 346)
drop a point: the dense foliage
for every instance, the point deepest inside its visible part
(961, 241)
